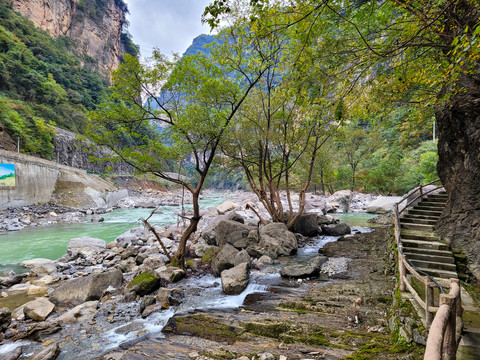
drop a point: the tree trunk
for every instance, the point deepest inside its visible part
(192, 227)
(459, 169)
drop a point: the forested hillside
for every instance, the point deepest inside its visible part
(43, 83)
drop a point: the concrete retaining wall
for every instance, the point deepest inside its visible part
(35, 180)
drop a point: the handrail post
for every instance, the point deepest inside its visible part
(449, 339)
(428, 301)
(421, 192)
(402, 270)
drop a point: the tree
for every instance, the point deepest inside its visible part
(423, 53)
(191, 105)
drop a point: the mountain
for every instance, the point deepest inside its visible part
(199, 44)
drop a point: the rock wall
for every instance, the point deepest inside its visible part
(459, 169)
(98, 37)
(70, 151)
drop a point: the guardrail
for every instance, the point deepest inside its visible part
(446, 330)
(446, 326)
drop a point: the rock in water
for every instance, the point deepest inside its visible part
(302, 271)
(224, 259)
(87, 288)
(307, 225)
(235, 280)
(38, 309)
(85, 246)
(232, 232)
(12, 355)
(276, 240)
(336, 229)
(51, 352)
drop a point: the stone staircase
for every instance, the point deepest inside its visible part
(424, 249)
(421, 246)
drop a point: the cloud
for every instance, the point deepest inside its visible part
(169, 25)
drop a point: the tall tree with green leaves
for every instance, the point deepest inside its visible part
(190, 106)
(422, 53)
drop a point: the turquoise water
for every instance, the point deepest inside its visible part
(356, 219)
(51, 242)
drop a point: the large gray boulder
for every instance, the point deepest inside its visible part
(340, 200)
(276, 240)
(301, 271)
(40, 266)
(224, 259)
(383, 204)
(209, 231)
(85, 246)
(236, 279)
(232, 232)
(226, 207)
(307, 225)
(10, 278)
(170, 274)
(87, 288)
(336, 229)
(38, 309)
(171, 296)
(143, 284)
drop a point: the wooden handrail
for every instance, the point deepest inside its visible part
(444, 335)
(447, 324)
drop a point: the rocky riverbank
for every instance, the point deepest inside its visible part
(100, 296)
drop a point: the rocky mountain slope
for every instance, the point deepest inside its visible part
(94, 26)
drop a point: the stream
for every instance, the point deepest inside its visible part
(88, 340)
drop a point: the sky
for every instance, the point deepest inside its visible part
(169, 25)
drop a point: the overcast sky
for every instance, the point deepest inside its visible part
(169, 25)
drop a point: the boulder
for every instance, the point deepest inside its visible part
(144, 284)
(50, 352)
(82, 313)
(13, 354)
(263, 261)
(209, 233)
(307, 225)
(336, 229)
(242, 257)
(318, 204)
(170, 274)
(226, 207)
(224, 259)
(340, 200)
(38, 309)
(276, 240)
(10, 279)
(85, 246)
(5, 318)
(133, 236)
(232, 232)
(40, 266)
(87, 288)
(235, 280)
(301, 271)
(171, 296)
(383, 204)
(153, 261)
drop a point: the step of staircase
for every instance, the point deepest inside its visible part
(440, 199)
(433, 204)
(415, 211)
(428, 208)
(408, 220)
(419, 235)
(432, 245)
(433, 265)
(443, 274)
(422, 217)
(420, 227)
(444, 257)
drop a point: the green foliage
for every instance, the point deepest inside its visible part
(41, 83)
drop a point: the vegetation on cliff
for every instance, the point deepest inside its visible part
(42, 83)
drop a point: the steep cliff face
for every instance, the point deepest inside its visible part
(76, 153)
(96, 31)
